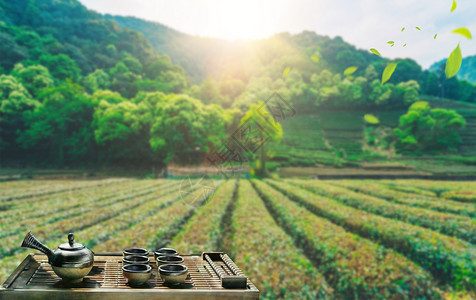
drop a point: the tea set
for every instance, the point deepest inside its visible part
(73, 261)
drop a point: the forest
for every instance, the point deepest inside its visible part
(78, 89)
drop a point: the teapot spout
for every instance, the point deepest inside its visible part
(30, 241)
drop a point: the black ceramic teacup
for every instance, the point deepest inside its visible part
(135, 259)
(163, 260)
(165, 252)
(173, 274)
(136, 274)
(135, 251)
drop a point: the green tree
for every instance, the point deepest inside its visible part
(97, 80)
(268, 130)
(122, 128)
(208, 92)
(35, 78)
(424, 129)
(183, 129)
(108, 96)
(61, 66)
(119, 140)
(133, 64)
(406, 93)
(15, 102)
(11, 51)
(59, 129)
(122, 80)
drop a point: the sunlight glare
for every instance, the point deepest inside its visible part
(245, 19)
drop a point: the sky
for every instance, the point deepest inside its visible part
(363, 23)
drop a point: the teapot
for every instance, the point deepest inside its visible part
(71, 261)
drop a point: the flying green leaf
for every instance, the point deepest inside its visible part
(374, 51)
(387, 73)
(453, 7)
(392, 45)
(390, 42)
(454, 62)
(418, 28)
(371, 119)
(350, 70)
(315, 58)
(464, 32)
(403, 29)
(435, 36)
(404, 45)
(286, 71)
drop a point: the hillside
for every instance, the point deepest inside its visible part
(202, 57)
(335, 138)
(467, 70)
(198, 63)
(65, 27)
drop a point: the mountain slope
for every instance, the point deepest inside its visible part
(467, 71)
(84, 35)
(194, 54)
(203, 57)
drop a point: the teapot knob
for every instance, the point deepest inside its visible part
(71, 239)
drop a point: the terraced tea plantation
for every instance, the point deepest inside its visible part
(296, 239)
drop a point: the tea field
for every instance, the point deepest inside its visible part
(295, 238)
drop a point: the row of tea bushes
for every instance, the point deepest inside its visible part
(463, 196)
(204, 231)
(451, 261)
(354, 267)
(45, 212)
(13, 187)
(465, 190)
(11, 195)
(453, 225)
(11, 244)
(406, 188)
(156, 230)
(383, 192)
(268, 255)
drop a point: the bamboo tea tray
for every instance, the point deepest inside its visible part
(35, 279)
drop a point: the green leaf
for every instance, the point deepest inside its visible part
(387, 73)
(403, 29)
(454, 62)
(315, 58)
(374, 51)
(392, 45)
(435, 36)
(453, 7)
(390, 42)
(464, 32)
(418, 28)
(404, 45)
(350, 70)
(286, 71)
(371, 119)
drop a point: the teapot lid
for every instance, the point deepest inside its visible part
(71, 245)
